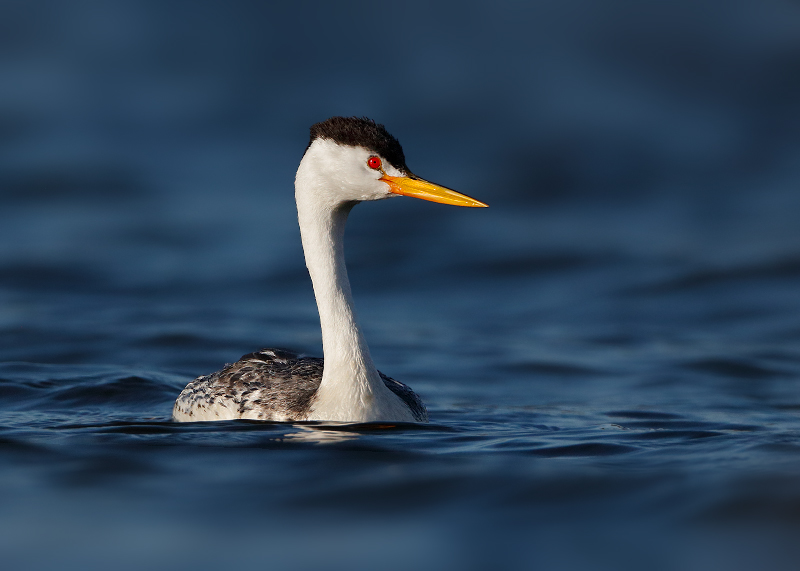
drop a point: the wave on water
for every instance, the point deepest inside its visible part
(44, 387)
(80, 438)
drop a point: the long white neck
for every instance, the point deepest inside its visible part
(346, 352)
(351, 389)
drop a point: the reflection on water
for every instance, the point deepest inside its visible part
(313, 435)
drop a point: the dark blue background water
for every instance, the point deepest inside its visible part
(610, 353)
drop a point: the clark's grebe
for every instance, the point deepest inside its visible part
(347, 161)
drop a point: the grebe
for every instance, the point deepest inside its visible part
(347, 161)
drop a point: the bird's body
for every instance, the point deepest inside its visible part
(348, 161)
(271, 384)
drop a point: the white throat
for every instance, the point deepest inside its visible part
(351, 389)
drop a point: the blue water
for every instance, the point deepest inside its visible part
(610, 354)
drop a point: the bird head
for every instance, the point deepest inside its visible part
(350, 160)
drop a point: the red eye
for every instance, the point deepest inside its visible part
(374, 163)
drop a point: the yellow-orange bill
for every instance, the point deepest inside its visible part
(425, 190)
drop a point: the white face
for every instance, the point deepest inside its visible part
(337, 173)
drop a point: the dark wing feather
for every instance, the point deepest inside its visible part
(408, 396)
(277, 384)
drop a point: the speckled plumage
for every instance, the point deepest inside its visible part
(271, 384)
